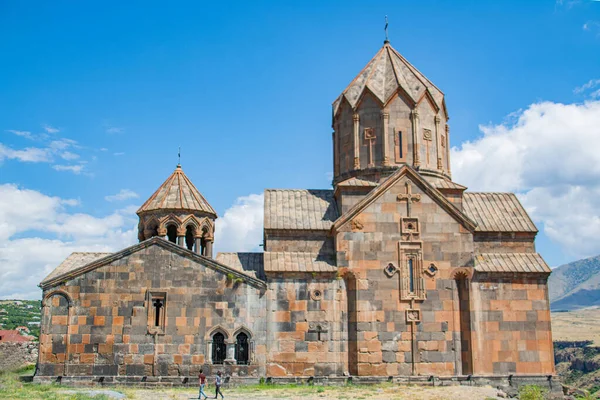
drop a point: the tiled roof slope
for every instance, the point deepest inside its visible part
(13, 336)
(249, 262)
(511, 262)
(304, 209)
(298, 262)
(357, 182)
(440, 183)
(74, 261)
(384, 75)
(177, 193)
(497, 212)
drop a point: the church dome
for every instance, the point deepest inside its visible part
(177, 193)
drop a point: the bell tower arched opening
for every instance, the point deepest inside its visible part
(172, 233)
(190, 232)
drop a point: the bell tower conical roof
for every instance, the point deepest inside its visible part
(179, 213)
(177, 193)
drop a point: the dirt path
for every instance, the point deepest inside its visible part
(327, 393)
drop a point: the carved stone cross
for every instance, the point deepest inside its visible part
(409, 197)
(370, 138)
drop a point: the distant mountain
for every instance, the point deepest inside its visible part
(575, 285)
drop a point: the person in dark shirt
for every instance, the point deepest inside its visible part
(202, 381)
(218, 383)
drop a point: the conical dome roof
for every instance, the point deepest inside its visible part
(384, 75)
(177, 193)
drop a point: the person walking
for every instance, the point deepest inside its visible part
(218, 383)
(202, 381)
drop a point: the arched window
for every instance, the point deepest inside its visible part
(172, 233)
(219, 349)
(242, 347)
(190, 232)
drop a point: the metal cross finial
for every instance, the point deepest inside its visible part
(386, 30)
(179, 156)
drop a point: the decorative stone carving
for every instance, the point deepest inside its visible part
(427, 134)
(413, 315)
(390, 270)
(412, 286)
(356, 225)
(431, 270)
(316, 295)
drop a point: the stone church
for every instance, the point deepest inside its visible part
(397, 271)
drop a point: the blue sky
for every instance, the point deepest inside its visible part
(108, 91)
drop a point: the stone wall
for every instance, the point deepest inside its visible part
(109, 326)
(317, 242)
(510, 320)
(504, 242)
(382, 340)
(16, 355)
(306, 325)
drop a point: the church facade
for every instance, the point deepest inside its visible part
(395, 272)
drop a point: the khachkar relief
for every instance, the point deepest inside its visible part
(369, 137)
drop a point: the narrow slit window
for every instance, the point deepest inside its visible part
(158, 305)
(401, 154)
(411, 276)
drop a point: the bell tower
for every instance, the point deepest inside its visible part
(390, 115)
(179, 213)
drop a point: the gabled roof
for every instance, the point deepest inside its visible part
(386, 74)
(303, 209)
(177, 193)
(415, 177)
(294, 261)
(77, 269)
(74, 261)
(497, 212)
(248, 262)
(511, 262)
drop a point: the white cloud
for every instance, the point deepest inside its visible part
(547, 154)
(50, 129)
(67, 155)
(241, 226)
(585, 88)
(118, 154)
(114, 129)
(76, 169)
(24, 134)
(28, 154)
(124, 194)
(25, 260)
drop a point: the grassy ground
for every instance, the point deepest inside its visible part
(577, 325)
(12, 388)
